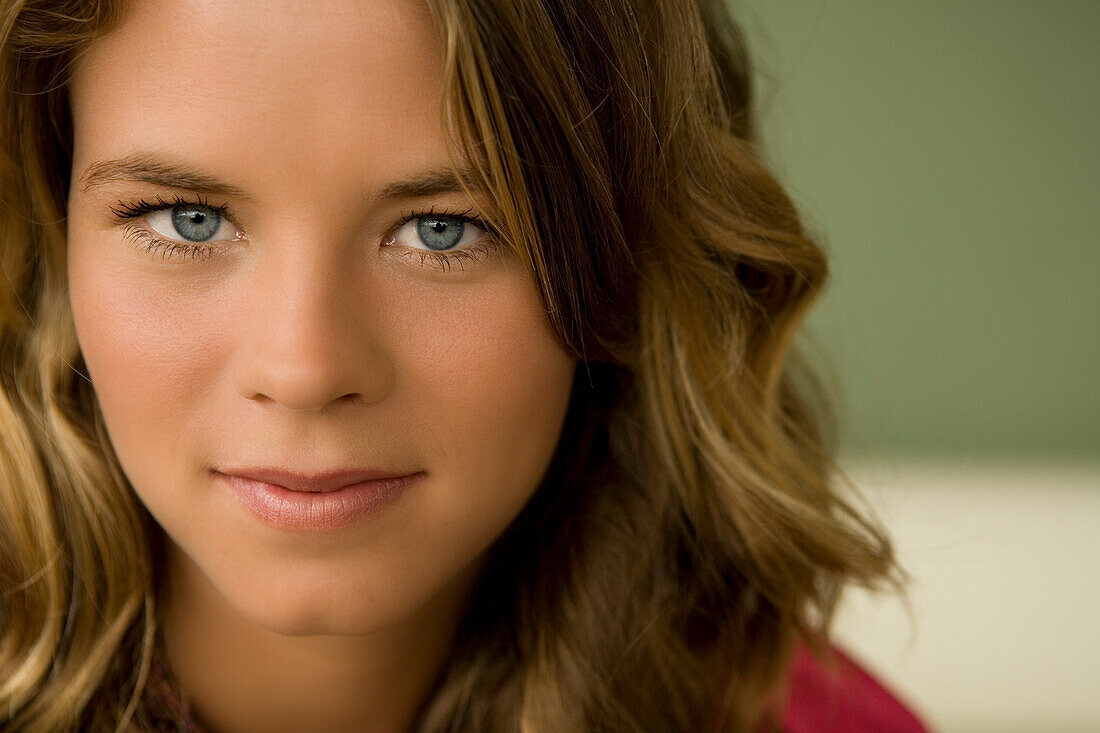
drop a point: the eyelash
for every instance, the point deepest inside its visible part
(443, 260)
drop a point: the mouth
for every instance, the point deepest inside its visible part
(313, 482)
(316, 500)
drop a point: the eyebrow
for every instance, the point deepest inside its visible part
(147, 169)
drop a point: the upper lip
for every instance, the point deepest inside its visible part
(316, 481)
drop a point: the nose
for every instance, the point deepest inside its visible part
(308, 340)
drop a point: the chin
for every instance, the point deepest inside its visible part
(307, 611)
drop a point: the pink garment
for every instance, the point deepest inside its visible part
(836, 695)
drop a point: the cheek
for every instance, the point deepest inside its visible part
(493, 363)
(149, 352)
(489, 384)
(511, 383)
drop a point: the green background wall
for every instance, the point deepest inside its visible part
(947, 154)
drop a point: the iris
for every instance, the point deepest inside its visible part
(196, 223)
(440, 232)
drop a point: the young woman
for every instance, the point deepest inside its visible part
(380, 365)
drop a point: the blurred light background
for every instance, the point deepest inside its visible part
(947, 156)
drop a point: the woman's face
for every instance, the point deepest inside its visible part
(274, 325)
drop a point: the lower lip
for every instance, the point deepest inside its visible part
(281, 507)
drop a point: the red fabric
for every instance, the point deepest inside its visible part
(834, 695)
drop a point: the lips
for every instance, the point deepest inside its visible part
(301, 501)
(322, 482)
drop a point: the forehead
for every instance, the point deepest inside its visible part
(277, 87)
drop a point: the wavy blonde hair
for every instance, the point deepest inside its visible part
(687, 534)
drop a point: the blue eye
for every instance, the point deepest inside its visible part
(445, 240)
(195, 223)
(438, 232)
(191, 222)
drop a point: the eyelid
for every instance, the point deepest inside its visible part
(141, 207)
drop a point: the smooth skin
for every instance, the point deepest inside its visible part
(310, 333)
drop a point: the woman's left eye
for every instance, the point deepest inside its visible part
(438, 232)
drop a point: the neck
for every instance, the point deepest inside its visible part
(239, 677)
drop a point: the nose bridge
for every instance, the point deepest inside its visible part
(307, 342)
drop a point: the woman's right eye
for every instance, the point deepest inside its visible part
(191, 223)
(174, 229)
